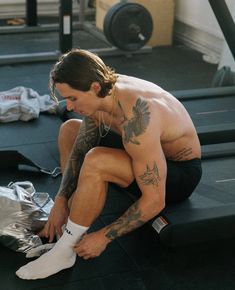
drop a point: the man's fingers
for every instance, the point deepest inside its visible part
(51, 233)
(44, 231)
(41, 234)
(59, 231)
(79, 251)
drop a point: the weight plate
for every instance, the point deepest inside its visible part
(108, 21)
(128, 26)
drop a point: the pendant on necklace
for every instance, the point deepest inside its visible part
(106, 128)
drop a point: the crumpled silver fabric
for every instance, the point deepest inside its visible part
(23, 212)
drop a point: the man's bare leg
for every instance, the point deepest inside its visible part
(67, 136)
(101, 165)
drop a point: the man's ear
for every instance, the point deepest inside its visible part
(95, 86)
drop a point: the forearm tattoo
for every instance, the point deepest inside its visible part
(129, 221)
(150, 176)
(88, 137)
(138, 124)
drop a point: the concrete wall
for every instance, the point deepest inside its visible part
(197, 27)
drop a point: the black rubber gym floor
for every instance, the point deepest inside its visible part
(209, 213)
(139, 260)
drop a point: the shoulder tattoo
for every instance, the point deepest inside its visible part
(137, 125)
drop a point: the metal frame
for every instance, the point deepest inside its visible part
(65, 28)
(225, 21)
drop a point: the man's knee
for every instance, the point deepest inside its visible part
(95, 159)
(69, 129)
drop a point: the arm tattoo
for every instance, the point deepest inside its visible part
(126, 223)
(88, 137)
(150, 176)
(138, 124)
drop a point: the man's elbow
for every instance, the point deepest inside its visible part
(158, 206)
(155, 206)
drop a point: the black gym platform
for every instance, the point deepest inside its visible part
(142, 259)
(208, 214)
(212, 111)
(194, 249)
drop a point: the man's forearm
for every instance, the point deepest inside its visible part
(136, 215)
(130, 220)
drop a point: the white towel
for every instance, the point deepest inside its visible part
(21, 103)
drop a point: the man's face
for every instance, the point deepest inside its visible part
(84, 103)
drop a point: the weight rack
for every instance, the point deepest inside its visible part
(65, 28)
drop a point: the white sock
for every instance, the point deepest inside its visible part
(60, 257)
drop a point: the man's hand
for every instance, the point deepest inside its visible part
(92, 245)
(57, 218)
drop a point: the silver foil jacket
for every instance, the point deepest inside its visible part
(23, 212)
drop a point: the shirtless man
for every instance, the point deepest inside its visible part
(160, 150)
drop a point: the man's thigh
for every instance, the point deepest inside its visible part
(113, 165)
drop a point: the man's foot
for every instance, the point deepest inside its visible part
(57, 259)
(61, 256)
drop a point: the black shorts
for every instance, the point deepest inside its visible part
(182, 176)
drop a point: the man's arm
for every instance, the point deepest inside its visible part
(150, 175)
(150, 172)
(88, 137)
(142, 142)
(141, 139)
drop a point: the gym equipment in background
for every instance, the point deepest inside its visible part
(214, 115)
(224, 77)
(138, 21)
(65, 34)
(212, 111)
(120, 29)
(128, 26)
(225, 21)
